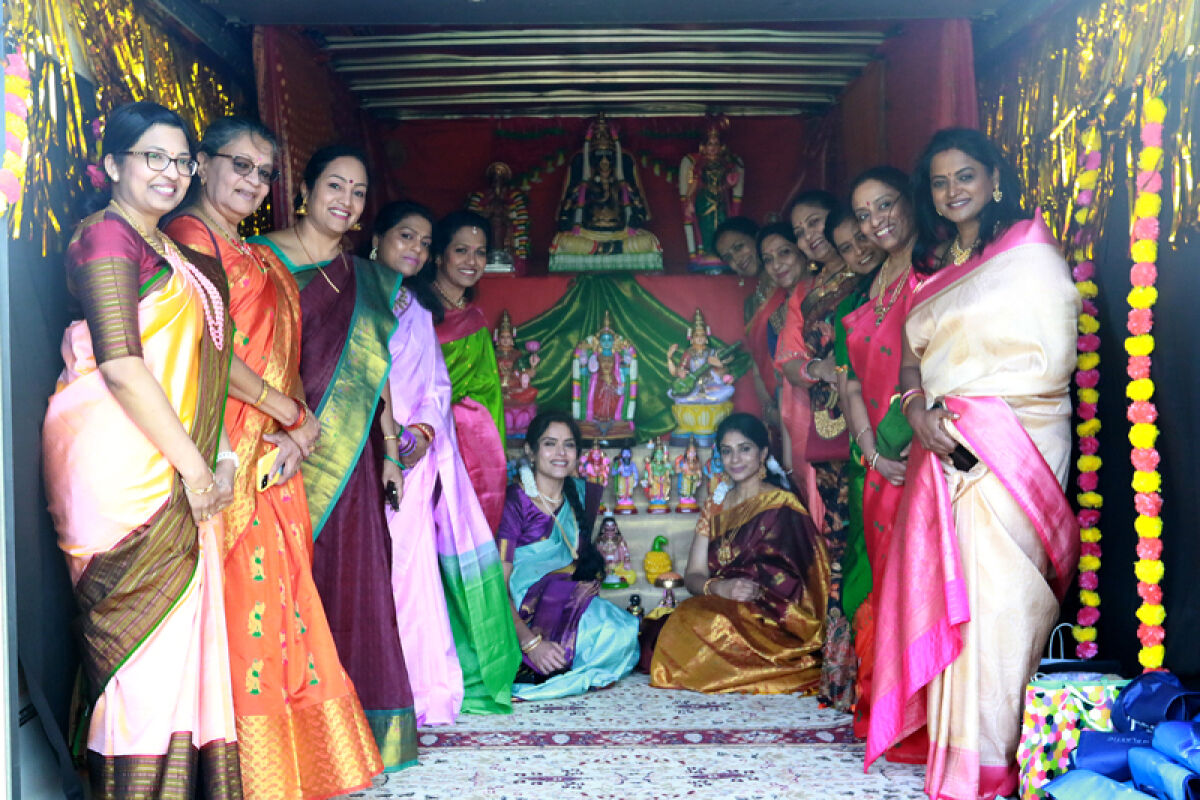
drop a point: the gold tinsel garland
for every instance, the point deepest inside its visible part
(131, 57)
(1087, 68)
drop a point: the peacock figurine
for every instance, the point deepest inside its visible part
(658, 560)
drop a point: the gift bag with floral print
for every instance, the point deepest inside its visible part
(1055, 713)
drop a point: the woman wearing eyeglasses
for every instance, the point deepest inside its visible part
(297, 712)
(137, 470)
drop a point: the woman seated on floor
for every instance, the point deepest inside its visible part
(759, 578)
(572, 640)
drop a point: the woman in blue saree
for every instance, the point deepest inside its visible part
(571, 639)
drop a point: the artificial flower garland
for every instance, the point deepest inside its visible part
(17, 102)
(1142, 413)
(1087, 376)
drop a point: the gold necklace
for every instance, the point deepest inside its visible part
(155, 243)
(882, 306)
(461, 303)
(237, 242)
(313, 261)
(960, 254)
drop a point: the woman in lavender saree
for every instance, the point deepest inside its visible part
(986, 543)
(460, 646)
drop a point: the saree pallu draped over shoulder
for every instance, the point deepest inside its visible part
(771, 645)
(301, 730)
(147, 579)
(981, 560)
(347, 321)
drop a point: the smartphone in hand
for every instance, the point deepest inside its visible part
(265, 470)
(393, 495)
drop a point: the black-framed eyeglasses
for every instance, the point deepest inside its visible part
(243, 166)
(159, 161)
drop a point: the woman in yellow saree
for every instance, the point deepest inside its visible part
(759, 578)
(985, 542)
(302, 729)
(135, 481)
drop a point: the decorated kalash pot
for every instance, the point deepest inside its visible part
(702, 394)
(604, 379)
(594, 467)
(625, 474)
(618, 565)
(656, 478)
(689, 477)
(517, 369)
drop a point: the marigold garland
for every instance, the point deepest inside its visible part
(1142, 413)
(17, 102)
(1086, 377)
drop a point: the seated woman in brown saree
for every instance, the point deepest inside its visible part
(759, 577)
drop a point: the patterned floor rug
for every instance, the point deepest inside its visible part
(631, 742)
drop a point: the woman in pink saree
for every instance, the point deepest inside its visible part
(985, 542)
(460, 646)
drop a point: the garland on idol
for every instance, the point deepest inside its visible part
(1087, 376)
(1142, 413)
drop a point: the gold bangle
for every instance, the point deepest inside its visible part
(706, 583)
(262, 395)
(212, 485)
(391, 437)
(529, 646)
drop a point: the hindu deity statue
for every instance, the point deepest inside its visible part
(689, 476)
(702, 394)
(603, 209)
(595, 467)
(507, 210)
(714, 470)
(517, 368)
(618, 564)
(604, 378)
(711, 184)
(625, 473)
(656, 478)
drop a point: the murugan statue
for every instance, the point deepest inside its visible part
(702, 394)
(604, 379)
(689, 476)
(625, 472)
(603, 209)
(594, 468)
(711, 184)
(714, 470)
(656, 478)
(507, 210)
(618, 564)
(517, 368)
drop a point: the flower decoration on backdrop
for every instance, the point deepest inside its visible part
(18, 99)
(1142, 413)
(1087, 376)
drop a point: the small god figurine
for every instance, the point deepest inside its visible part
(714, 470)
(604, 377)
(595, 468)
(689, 476)
(507, 211)
(517, 367)
(702, 394)
(656, 478)
(618, 565)
(625, 473)
(711, 184)
(635, 606)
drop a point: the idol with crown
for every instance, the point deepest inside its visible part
(711, 184)
(517, 367)
(603, 209)
(656, 477)
(702, 393)
(689, 477)
(604, 379)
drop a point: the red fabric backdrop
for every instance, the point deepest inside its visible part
(440, 162)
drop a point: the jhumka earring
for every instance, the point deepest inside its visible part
(997, 195)
(374, 253)
(303, 209)
(762, 471)
(356, 226)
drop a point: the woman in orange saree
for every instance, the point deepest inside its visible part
(302, 729)
(759, 580)
(135, 480)
(985, 543)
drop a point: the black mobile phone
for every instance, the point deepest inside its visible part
(392, 495)
(962, 458)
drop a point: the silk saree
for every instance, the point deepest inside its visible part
(300, 724)
(768, 646)
(980, 560)
(159, 719)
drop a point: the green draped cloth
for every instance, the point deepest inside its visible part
(471, 362)
(635, 314)
(856, 569)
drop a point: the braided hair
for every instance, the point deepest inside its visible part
(589, 563)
